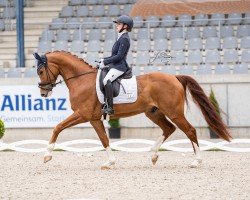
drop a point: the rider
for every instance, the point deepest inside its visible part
(116, 63)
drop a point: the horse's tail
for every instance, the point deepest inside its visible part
(208, 110)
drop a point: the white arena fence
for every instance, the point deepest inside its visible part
(119, 145)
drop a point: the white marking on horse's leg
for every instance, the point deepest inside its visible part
(155, 148)
(48, 153)
(111, 159)
(108, 118)
(158, 143)
(198, 158)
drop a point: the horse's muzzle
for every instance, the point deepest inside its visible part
(45, 93)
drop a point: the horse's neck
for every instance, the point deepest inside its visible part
(76, 72)
(70, 66)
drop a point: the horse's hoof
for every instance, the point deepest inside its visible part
(195, 163)
(107, 165)
(154, 158)
(47, 159)
(104, 167)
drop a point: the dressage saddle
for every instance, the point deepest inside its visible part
(116, 83)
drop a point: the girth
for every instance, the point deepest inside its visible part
(116, 83)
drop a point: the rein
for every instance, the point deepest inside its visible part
(49, 86)
(85, 73)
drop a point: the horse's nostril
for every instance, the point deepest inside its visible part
(43, 95)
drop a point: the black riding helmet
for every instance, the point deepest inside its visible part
(125, 20)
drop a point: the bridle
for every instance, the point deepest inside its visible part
(48, 86)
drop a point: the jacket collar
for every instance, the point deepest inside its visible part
(120, 34)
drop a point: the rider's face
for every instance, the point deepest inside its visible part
(119, 26)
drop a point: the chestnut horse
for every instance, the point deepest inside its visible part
(160, 96)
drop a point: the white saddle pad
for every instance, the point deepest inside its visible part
(127, 96)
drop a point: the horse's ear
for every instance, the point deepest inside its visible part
(36, 55)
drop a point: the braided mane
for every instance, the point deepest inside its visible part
(73, 55)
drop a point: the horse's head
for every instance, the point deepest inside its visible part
(47, 73)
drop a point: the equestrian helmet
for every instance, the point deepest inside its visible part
(125, 20)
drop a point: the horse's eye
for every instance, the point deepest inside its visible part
(41, 72)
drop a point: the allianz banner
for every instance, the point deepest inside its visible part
(22, 106)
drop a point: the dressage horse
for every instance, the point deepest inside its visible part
(160, 96)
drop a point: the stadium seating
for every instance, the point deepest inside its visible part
(177, 44)
(245, 42)
(161, 45)
(76, 2)
(230, 43)
(2, 72)
(209, 31)
(212, 43)
(195, 57)
(48, 35)
(57, 23)
(79, 34)
(168, 21)
(159, 33)
(205, 69)
(230, 56)
(176, 32)
(226, 31)
(234, 18)
(85, 27)
(243, 31)
(222, 69)
(82, 11)
(61, 45)
(193, 32)
(67, 11)
(142, 58)
(195, 44)
(94, 46)
(241, 69)
(14, 73)
(186, 70)
(95, 34)
(168, 69)
(30, 72)
(201, 19)
(73, 23)
(212, 56)
(44, 46)
(108, 44)
(2, 25)
(143, 45)
(77, 46)
(63, 34)
(184, 20)
(153, 21)
(217, 18)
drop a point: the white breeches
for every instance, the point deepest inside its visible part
(112, 75)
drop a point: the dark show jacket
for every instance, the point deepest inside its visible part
(119, 53)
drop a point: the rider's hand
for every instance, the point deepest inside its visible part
(101, 64)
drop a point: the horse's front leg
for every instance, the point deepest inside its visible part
(72, 120)
(100, 130)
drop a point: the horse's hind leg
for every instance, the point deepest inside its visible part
(100, 130)
(72, 120)
(168, 128)
(190, 131)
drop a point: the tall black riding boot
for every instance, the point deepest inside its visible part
(108, 109)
